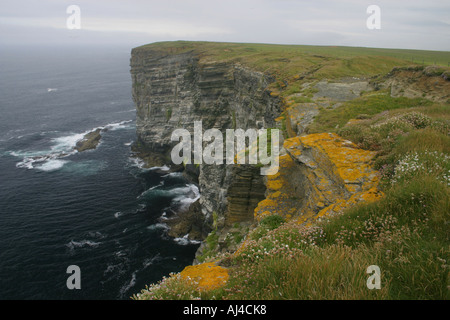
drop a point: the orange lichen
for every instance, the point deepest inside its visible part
(337, 174)
(277, 199)
(207, 276)
(349, 162)
(274, 94)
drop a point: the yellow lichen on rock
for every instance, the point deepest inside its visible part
(351, 163)
(277, 197)
(207, 276)
(321, 174)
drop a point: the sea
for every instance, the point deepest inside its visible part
(99, 210)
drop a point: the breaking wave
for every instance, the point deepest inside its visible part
(61, 147)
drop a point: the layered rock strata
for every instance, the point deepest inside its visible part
(172, 91)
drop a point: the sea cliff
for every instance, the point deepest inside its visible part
(329, 159)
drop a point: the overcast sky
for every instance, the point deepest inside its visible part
(411, 24)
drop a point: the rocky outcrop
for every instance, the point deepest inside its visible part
(321, 174)
(344, 90)
(432, 83)
(89, 141)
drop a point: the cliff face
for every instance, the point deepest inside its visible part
(171, 91)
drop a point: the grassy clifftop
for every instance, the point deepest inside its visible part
(287, 61)
(405, 127)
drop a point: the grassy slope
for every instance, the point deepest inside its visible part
(406, 233)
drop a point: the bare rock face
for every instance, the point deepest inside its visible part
(89, 141)
(432, 83)
(341, 91)
(172, 90)
(246, 190)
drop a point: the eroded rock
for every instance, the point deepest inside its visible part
(89, 141)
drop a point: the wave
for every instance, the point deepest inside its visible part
(123, 290)
(163, 168)
(62, 147)
(149, 191)
(49, 162)
(181, 195)
(151, 261)
(140, 164)
(173, 175)
(158, 226)
(117, 125)
(184, 241)
(72, 245)
(190, 195)
(52, 165)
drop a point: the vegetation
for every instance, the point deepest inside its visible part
(366, 106)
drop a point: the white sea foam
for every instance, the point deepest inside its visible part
(30, 158)
(158, 226)
(149, 262)
(173, 175)
(184, 241)
(26, 163)
(129, 285)
(136, 162)
(72, 245)
(62, 147)
(118, 125)
(163, 168)
(164, 216)
(187, 195)
(52, 89)
(52, 165)
(67, 143)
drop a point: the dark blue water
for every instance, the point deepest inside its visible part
(96, 209)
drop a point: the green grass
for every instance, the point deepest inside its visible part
(287, 61)
(329, 120)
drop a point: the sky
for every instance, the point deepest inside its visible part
(406, 24)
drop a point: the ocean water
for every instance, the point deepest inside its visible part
(98, 209)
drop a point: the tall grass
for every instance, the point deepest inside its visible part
(330, 120)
